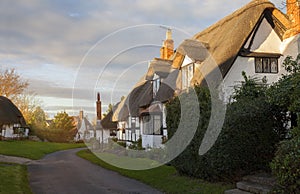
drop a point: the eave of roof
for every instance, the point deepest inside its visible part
(226, 37)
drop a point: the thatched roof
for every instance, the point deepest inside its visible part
(107, 122)
(194, 49)
(155, 107)
(167, 87)
(140, 95)
(160, 67)
(226, 37)
(9, 113)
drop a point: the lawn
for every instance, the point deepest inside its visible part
(164, 178)
(14, 179)
(33, 150)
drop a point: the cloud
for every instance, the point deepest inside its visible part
(49, 41)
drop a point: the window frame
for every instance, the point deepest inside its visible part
(149, 126)
(185, 75)
(266, 65)
(156, 85)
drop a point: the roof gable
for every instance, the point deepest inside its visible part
(226, 37)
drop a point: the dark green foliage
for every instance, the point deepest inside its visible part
(245, 144)
(247, 140)
(286, 165)
(61, 130)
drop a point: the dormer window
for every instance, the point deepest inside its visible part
(187, 73)
(266, 65)
(156, 85)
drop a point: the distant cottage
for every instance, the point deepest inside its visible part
(102, 131)
(254, 39)
(12, 122)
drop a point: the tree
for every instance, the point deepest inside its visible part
(27, 103)
(11, 84)
(38, 118)
(63, 121)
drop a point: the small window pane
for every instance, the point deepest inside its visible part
(258, 65)
(274, 65)
(266, 65)
(157, 124)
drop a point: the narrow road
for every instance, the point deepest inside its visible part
(65, 173)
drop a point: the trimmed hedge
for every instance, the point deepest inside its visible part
(246, 143)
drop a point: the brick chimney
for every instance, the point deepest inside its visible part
(167, 49)
(293, 13)
(81, 115)
(98, 107)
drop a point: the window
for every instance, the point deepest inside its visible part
(187, 73)
(152, 124)
(135, 122)
(156, 85)
(266, 65)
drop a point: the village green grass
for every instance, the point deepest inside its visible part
(164, 178)
(34, 150)
(14, 179)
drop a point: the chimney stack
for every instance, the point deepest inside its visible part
(293, 13)
(81, 115)
(167, 49)
(98, 107)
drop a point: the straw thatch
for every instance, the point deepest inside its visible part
(167, 87)
(9, 113)
(155, 107)
(160, 67)
(194, 49)
(107, 122)
(226, 37)
(140, 95)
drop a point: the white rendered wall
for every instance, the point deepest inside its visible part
(266, 39)
(151, 141)
(270, 43)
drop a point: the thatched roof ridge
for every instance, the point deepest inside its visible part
(158, 66)
(195, 49)
(226, 37)
(140, 95)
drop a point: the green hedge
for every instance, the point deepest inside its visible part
(286, 165)
(246, 143)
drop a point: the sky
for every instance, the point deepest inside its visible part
(69, 50)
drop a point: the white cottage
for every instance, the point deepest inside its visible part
(12, 122)
(85, 130)
(142, 113)
(254, 39)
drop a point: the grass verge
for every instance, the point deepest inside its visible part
(33, 150)
(14, 179)
(163, 178)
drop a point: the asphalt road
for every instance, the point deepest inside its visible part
(65, 173)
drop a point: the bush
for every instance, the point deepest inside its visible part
(286, 166)
(246, 143)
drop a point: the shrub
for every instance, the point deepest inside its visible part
(246, 142)
(286, 165)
